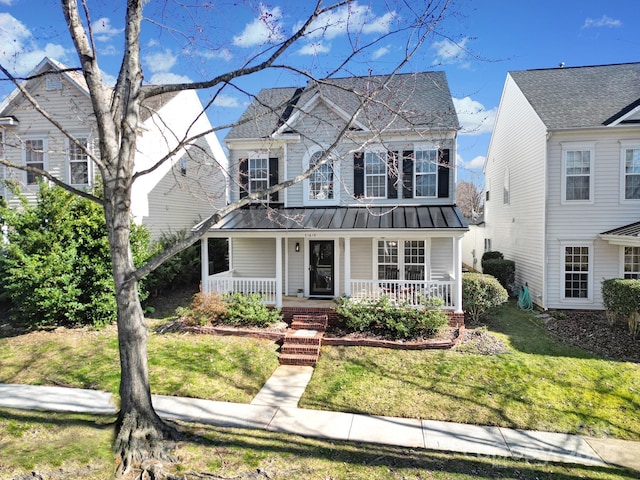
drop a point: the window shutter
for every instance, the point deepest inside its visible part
(243, 177)
(273, 178)
(407, 174)
(358, 174)
(392, 174)
(443, 173)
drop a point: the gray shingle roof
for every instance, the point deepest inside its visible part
(581, 96)
(409, 101)
(344, 218)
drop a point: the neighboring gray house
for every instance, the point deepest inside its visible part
(174, 196)
(563, 181)
(378, 218)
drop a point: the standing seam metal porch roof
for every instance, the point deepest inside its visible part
(345, 218)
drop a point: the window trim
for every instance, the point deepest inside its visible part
(307, 182)
(435, 173)
(401, 264)
(578, 147)
(563, 271)
(624, 146)
(45, 157)
(623, 263)
(253, 157)
(68, 161)
(381, 153)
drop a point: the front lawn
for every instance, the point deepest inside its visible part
(540, 384)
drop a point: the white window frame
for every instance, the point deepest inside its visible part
(381, 154)
(432, 151)
(624, 147)
(45, 157)
(635, 274)
(563, 271)
(333, 165)
(70, 146)
(262, 157)
(578, 147)
(401, 251)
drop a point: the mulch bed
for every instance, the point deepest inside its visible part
(591, 331)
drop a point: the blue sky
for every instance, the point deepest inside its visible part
(476, 45)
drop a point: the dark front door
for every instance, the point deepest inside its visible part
(321, 267)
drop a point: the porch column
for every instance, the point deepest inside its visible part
(278, 272)
(204, 264)
(347, 266)
(457, 275)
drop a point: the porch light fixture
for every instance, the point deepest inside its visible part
(297, 246)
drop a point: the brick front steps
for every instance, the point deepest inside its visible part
(301, 344)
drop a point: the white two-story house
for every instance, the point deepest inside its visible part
(173, 196)
(378, 218)
(563, 181)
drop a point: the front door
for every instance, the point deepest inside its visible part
(321, 268)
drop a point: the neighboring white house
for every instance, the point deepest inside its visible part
(175, 196)
(563, 181)
(378, 218)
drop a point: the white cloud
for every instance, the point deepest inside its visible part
(381, 52)
(8, 3)
(603, 21)
(448, 51)
(103, 31)
(476, 163)
(351, 18)
(108, 79)
(164, 78)
(160, 61)
(474, 118)
(264, 29)
(222, 53)
(314, 49)
(108, 50)
(226, 101)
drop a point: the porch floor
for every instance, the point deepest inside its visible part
(296, 302)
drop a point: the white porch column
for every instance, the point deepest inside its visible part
(347, 266)
(204, 264)
(457, 256)
(278, 272)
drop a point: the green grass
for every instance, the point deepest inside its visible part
(48, 443)
(541, 384)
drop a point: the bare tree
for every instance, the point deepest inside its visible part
(140, 433)
(469, 199)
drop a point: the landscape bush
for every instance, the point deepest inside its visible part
(503, 270)
(481, 292)
(491, 255)
(56, 265)
(386, 318)
(235, 309)
(621, 298)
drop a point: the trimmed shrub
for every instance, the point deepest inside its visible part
(248, 309)
(481, 292)
(386, 318)
(503, 270)
(621, 298)
(491, 255)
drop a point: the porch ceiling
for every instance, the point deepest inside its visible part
(344, 218)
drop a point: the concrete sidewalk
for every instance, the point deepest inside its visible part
(275, 409)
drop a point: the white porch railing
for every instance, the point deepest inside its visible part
(409, 292)
(226, 282)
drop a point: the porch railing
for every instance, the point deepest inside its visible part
(409, 292)
(226, 282)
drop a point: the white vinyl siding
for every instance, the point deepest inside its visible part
(254, 257)
(362, 258)
(441, 254)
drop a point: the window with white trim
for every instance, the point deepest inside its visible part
(426, 173)
(321, 180)
(375, 174)
(258, 174)
(632, 173)
(576, 271)
(414, 260)
(632, 263)
(578, 175)
(34, 156)
(79, 162)
(388, 267)
(402, 260)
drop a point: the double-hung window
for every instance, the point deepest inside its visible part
(34, 156)
(426, 173)
(321, 179)
(79, 162)
(577, 174)
(632, 263)
(631, 168)
(375, 174)
(577, 277)
(258, 174)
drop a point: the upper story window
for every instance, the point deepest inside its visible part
(631, 158)
(79, 162)
(321, 180)
(258, 173)
(34, 156)
(375, 174)
(426, 173)
(577, 174)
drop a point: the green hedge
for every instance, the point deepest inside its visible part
(621, 298)
(480, 292)
(503, 270)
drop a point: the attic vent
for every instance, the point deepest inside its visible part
(54, 82)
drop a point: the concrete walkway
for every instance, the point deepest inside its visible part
(275, 409)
